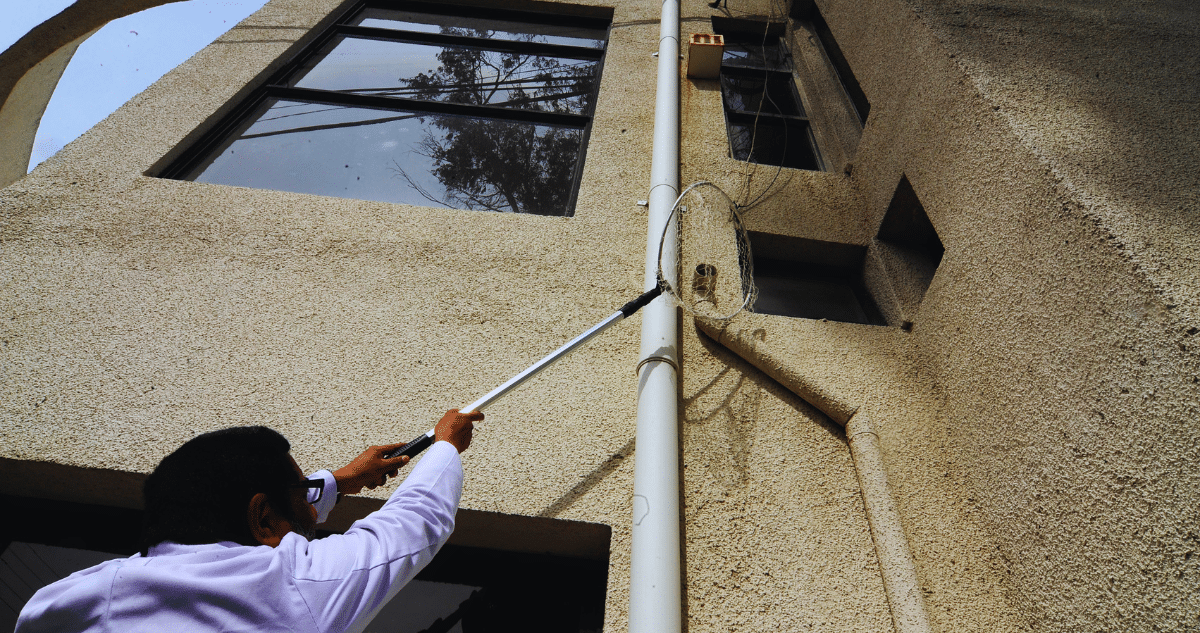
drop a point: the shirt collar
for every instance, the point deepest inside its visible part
(168, 548)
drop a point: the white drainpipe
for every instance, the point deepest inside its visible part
(655, 601)
(900, 581)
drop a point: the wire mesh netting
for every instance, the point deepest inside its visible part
(713, 261)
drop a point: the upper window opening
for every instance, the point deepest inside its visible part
(808, 17)
(488, 111)
(764, 115)
(552, 33)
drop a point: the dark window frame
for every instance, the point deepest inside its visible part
(275, 87)
(765, 35)
(806, 10)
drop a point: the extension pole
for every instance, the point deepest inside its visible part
(655, 578)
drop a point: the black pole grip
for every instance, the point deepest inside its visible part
(413, 448)
(637, 304)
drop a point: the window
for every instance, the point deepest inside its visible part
(764, 116)
(468, 108)
(810, 279)
(808, 22)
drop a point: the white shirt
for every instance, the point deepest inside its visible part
(337, 583)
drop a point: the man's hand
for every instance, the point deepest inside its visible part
(369, 470)
(456, 428)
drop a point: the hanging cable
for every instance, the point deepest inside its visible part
(765, 98)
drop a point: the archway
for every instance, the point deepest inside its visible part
(30, 70)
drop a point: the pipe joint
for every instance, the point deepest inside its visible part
(652, 359)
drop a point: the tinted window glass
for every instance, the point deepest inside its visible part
(764, 115)
(402, 157)
(776, 142)
(744, 92)
(451, 73)
(420, 106)
(755, 55)
(475, 27)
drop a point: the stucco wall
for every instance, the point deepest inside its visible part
(1059, 330)
(1038, 423)
(140, 311)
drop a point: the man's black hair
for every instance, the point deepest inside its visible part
(200, 493)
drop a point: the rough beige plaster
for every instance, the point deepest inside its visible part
(747, 338)
(141, 311)
(776, 535)
(1038, 423)
(1066, 368)
(900, 581)
(956, 560)
(1104, 94)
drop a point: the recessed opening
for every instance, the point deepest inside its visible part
(807, 11)
(497, 573)
(423, 104)
(705, 280)
(909, 250)
(906, 225)
(811, 279)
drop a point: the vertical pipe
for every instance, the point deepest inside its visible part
(655, 600)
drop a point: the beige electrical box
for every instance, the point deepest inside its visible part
(704, 55)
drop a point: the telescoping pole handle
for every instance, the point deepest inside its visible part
(425, 440)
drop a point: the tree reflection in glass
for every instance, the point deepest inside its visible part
(484, 114)
(504, 166)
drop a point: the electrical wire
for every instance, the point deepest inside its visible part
(766, 97)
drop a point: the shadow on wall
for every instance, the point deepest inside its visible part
(589, 481)
(1104, 91)
(721, 413)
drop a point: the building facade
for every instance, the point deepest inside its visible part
(977, 222)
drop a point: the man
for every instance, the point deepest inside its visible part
(226, 545)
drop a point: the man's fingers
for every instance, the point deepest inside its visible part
(384, 450)
(398, 460)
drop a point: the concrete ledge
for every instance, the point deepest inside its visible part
(47, 480)
(494, 530)
(476, 528)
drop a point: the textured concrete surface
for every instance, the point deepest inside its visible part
(776, 536)
(140, 311)
(1038, 424)
(1061, 348)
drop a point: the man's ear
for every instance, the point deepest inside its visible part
(267, 526)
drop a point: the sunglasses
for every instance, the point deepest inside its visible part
(316, 487)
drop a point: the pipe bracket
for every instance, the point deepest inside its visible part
(648, 359)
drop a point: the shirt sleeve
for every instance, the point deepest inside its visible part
(344, 579)
(328, 496)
